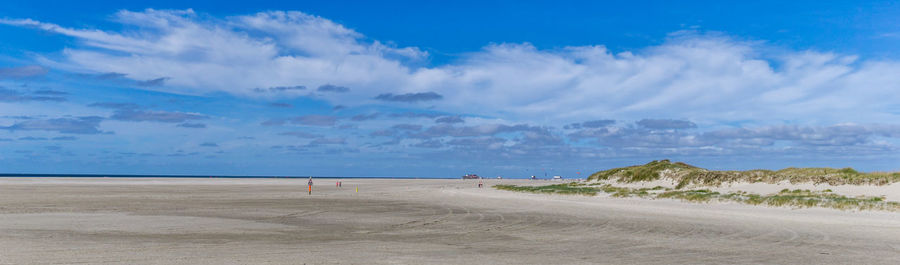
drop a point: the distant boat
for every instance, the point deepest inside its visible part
(557, 177)
(471, 176)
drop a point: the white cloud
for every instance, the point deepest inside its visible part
(232, 55)
(707, 78)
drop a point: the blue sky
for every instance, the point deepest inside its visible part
(431, 89)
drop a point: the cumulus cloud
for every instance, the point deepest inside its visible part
(192, 125)
(265, 49)
(434, 143)
(8, 95)
(134, 112)
(665, 124)
(590, 124)
(711, 80)
(483, 136)
(414, 115)
(155, 116)
(449, 119)
(333, 88)
(114, 105)
(22, 72)
(409, 97)
(328, 141)
(756, 140)
(364, 117)
(153, 82)
(407, 127)
(309, 120)
(702, 76)
(835, 135)
(597, 123)
(489, 142)
(445, 130)
(80, 125)
(281, 105)
(385, 133)
(277, 89)
(102, 76)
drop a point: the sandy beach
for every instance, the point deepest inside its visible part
(274, 221)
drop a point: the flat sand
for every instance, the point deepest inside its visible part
(274, 221)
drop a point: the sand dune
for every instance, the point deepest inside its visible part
(890, 192)
(274, 221)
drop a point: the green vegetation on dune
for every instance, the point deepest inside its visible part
(648, 172)
(622, 192)
(786, 197)
(557, 188)
(685, 175)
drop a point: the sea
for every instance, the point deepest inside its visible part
(13, 175)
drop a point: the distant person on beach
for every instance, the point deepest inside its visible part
(310, 185)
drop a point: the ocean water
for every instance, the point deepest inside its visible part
(11, 175)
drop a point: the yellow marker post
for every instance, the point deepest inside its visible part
(357, 188)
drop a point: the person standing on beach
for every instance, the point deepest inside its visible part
(310, 185)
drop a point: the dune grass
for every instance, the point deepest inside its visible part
(788, 198)
(622, 192)
(556, 188)
(784, 198)
(686, 175)
(690, 176)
